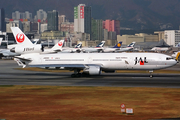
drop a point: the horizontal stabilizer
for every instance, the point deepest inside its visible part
(23, 59)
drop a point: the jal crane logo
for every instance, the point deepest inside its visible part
(20, 37)
(60, 43)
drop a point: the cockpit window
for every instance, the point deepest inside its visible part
(169, 58)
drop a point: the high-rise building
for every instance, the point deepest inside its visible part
(62, 19)
(16, 15)
(52, 19)
(82, 19)
(112, 26)
(172, 37)
(27, 15)
(41, 15)
(2, 20)
(19, 15)
(15, 23)
(67, 27)
(96, 30)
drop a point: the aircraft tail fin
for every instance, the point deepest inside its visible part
(0, 41)
(20, 37)
(101, 44)
(58, 46)
(178, 45)
(118, 45)
(79, 45)
(132, 44)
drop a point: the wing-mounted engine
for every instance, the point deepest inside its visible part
(28, 49)
(92, 70)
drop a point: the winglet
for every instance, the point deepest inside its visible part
(20, 37)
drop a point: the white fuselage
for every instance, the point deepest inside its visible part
(106, 50)
(106, 61)
(90, 50)
(160, 49)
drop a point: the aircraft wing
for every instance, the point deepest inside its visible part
(60, 65)
(79, 66)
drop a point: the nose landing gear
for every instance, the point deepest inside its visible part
(151, 71)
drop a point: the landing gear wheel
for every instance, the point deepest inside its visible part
(73, 75)
(76, 75)
(85, 75)
(151, 71)
(151, 76)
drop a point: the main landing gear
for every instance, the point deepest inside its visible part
(78, 74)
(151, 71)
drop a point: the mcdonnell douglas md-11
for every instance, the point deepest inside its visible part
(95, 63)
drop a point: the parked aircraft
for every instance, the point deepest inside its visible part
(7, 52)
(11, 53)
(72, 50)
(98, 48)
(94, 63)
(129, 47)
(24, 45)
(160, 48)
(114, 49)
(28, 47)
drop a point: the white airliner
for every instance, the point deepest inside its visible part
(7, 52)
(94, 63)
(72, 50)
(24, 45)
(98, 48)
(158, 49)
(129, 47)
(113, 49)
(12, 53)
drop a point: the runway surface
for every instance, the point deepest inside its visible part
(11, 76)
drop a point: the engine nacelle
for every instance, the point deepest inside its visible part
(28, 49)
(92, 70)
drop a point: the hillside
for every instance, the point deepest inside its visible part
(137, 14)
